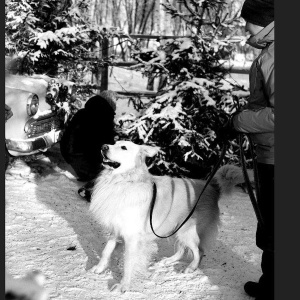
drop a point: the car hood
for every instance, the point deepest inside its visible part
(16, 85)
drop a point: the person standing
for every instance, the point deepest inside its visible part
(257, 119)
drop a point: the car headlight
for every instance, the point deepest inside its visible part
(32, 104)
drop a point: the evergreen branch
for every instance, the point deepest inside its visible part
(189, 9)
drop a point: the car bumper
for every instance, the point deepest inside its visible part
(18, 147)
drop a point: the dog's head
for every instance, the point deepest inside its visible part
(126, 155)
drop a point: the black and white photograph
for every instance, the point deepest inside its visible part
(139, 150)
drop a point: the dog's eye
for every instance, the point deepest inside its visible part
(123, 147)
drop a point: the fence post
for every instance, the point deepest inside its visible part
(104, 69)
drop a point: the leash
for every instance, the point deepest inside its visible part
(253, 197)
(213, 172)
(249, 188)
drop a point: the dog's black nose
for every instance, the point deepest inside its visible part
(104, 147)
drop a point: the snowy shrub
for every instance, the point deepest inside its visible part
(184, 119)
(52, 34)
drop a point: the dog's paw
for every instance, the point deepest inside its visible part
(98, 269)
(190, 270)
(119, 287)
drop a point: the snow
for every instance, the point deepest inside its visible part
(48, 228)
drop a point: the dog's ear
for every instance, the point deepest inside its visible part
(149, 151)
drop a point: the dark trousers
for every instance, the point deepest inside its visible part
(85, 169)
(265, 235)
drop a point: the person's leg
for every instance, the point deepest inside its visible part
(265, 236)
(82, 167)
(266, 281)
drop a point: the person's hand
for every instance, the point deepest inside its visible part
(227, 132)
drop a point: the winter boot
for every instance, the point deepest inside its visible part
(252, 288)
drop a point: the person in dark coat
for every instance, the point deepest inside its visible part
(258, 119)
(88, 130)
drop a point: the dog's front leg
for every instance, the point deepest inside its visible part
(131, 259)
(105, 256)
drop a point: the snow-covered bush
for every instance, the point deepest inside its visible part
(184, 119)
(52, 34)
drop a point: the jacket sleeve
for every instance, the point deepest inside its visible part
(255, 121)
(258, 120)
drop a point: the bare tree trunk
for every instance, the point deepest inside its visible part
(130, 7)
(149, 12)
(143, 14)
(162, 20)
(136, 14)
(156, 16)
(92, 10)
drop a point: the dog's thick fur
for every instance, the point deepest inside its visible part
(121, 203)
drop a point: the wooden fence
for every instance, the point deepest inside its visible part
(102, 77)
(104, 74)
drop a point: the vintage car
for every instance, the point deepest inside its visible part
(34, 118)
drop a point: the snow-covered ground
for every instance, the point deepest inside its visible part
(48, 228)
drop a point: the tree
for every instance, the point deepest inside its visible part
(46, 33)
(185, 118)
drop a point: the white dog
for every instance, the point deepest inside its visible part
(121, 203)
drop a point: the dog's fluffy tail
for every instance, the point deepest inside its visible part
(227, 177)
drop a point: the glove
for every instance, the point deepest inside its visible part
(227, 132)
